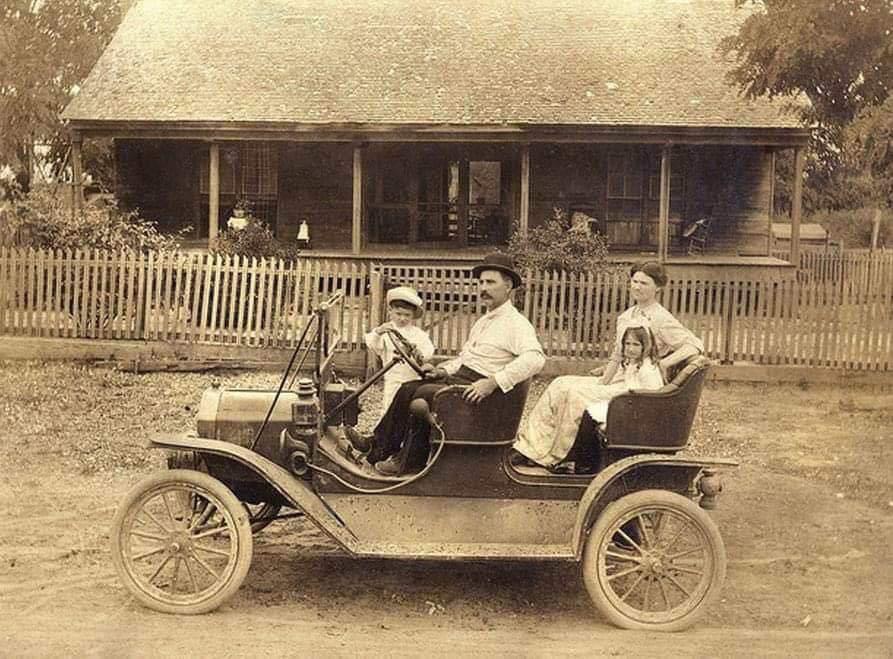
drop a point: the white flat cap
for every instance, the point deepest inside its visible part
(406, 294)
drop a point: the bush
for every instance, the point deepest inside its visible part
(255, 239)
(554, 246)
(43, 219)
(853, 227)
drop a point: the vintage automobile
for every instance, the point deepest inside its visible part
(651, 558)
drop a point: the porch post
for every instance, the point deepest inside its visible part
(462, 206)
(663, 219)
(356, 234)
(770, 241)
(524, 210)
(77, 174)
(796, 205)
(413, 193)
(213, 192)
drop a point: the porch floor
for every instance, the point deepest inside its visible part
(460, 255)
(473, 254)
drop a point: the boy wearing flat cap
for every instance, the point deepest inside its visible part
(404, 307)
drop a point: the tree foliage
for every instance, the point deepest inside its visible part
(44, 220)
(49, 47)
(838, 55)
(867, 154)
(837, 52)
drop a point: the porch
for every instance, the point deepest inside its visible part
(703, 203)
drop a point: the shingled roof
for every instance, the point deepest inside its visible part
(484, 63)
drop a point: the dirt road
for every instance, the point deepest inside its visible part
(807, 522)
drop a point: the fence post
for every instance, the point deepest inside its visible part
(376, 295)
(728, 313)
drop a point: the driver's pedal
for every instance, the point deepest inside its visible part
(346, 449)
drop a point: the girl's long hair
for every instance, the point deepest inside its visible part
(649, 346)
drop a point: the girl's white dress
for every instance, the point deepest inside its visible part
(382, 346)
(550, 430)
(646, 376)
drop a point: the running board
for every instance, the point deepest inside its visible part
(465, 551)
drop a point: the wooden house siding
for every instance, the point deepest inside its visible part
(316, 186)
(736, 182)
(729, 183)
(160, 179)
(423, 194)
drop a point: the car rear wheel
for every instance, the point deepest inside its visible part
(653, 561)
(181, 542)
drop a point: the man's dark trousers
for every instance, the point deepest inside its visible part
(399, 429)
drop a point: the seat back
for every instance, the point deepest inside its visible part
(658, 420)
(494, 420)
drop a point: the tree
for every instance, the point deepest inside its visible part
(838, 54)
(868, 152)
(49, 47)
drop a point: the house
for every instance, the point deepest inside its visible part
(422, 127)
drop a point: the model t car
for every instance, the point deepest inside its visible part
(650, 556)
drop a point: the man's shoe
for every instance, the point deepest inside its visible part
(389, 467)
(358, 441)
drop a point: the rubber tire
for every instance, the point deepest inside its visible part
(243, 539)
(642, 500)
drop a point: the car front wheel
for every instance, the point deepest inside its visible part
(181, 542)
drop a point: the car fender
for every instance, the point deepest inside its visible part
(295, 490)
(637, 472)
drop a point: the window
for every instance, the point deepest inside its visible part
(624, 177)
(249, 170)
(676, 186)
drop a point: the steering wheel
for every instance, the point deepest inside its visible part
(405, 350)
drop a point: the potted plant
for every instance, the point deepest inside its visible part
(241, 214)
(241, 207)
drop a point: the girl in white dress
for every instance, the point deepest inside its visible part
(639, 366)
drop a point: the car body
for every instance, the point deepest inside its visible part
(651, 557)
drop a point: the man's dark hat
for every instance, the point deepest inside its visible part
(500, 262)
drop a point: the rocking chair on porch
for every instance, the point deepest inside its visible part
(697, 234)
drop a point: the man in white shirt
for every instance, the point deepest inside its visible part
(502, 351)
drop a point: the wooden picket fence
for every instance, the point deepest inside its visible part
(174, 296)
(840, 321)
(858, 268)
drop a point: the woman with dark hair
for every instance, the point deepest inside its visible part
(550, 429)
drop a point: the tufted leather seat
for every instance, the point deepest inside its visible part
(494, 421)
(658, 420)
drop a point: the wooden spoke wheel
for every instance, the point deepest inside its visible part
(261, 515)
(181, 542)
(653, 561)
